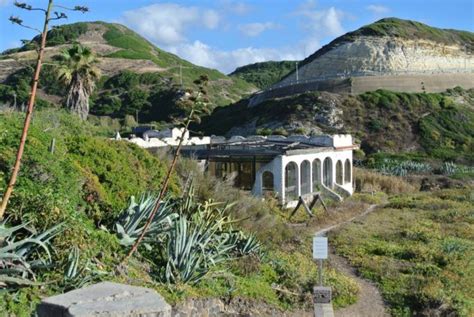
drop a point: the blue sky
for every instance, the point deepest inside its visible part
(224, 34)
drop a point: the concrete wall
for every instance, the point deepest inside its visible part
(412, 83)
(333, 85)
(435, 82)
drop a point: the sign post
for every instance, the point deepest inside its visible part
(322, 294)
(320, 253)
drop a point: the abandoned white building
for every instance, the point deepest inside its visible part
(168, 137)
(288, 167)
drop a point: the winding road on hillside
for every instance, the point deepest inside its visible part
(370, 302)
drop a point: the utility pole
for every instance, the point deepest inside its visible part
(296, 65)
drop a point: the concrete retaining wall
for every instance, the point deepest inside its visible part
(412, 83)
(355, 85)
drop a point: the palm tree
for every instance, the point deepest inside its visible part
(77, 69)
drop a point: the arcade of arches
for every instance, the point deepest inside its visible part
(314, 174)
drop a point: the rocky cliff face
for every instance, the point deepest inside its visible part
(369, 55)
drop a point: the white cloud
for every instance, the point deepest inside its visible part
(166, 23)
(254, 29)
(323, 22)
(226, 61)
(377, 9)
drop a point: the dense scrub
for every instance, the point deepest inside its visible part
(264, 74)
(85, 169)
(82, 184)
(88, 180)
(434, 124)
(418, 249)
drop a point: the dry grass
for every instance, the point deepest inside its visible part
(369, 181)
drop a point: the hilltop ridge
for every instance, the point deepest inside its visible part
(122, 54)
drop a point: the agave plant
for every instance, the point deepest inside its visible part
(192, 249)
(191, 236)
(77, 276)
(202, 240)
(448, 168)
(22, 252)
(403, 168)
(131, 220)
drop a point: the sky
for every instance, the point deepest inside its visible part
(225, 34)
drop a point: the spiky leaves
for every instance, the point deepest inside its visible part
(131, 221)
(21, 254)
(186, 237)
(78, 70)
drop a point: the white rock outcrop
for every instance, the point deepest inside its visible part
(369, 55)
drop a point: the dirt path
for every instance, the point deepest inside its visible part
(370, 302)
(327, 229)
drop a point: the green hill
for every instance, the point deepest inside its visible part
(437, 125)
(154, 79)
(264, 74)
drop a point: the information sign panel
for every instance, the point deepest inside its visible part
(320, 248)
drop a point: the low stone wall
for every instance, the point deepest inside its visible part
(237, 307)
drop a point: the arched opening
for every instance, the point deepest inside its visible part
(305, 172)
(347, 171)
(339, 173)
(267, 181)
(291, 181)
(327, 172)
(316, 174)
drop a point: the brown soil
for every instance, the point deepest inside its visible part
(370, 303)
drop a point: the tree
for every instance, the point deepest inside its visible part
(34, 84)
(77, 69)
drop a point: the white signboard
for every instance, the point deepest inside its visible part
(320, 248)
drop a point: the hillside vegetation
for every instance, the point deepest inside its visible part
(86, 184)
(122, 54)
(264, 74)
(419, 250)
(438, 125)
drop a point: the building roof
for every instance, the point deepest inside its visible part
(263, 147)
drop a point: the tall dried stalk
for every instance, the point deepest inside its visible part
(29, 112)
(163, 190)
(34, 84)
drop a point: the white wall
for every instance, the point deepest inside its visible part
(277, 167)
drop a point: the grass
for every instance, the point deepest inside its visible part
(419, 250)
(158, 97)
